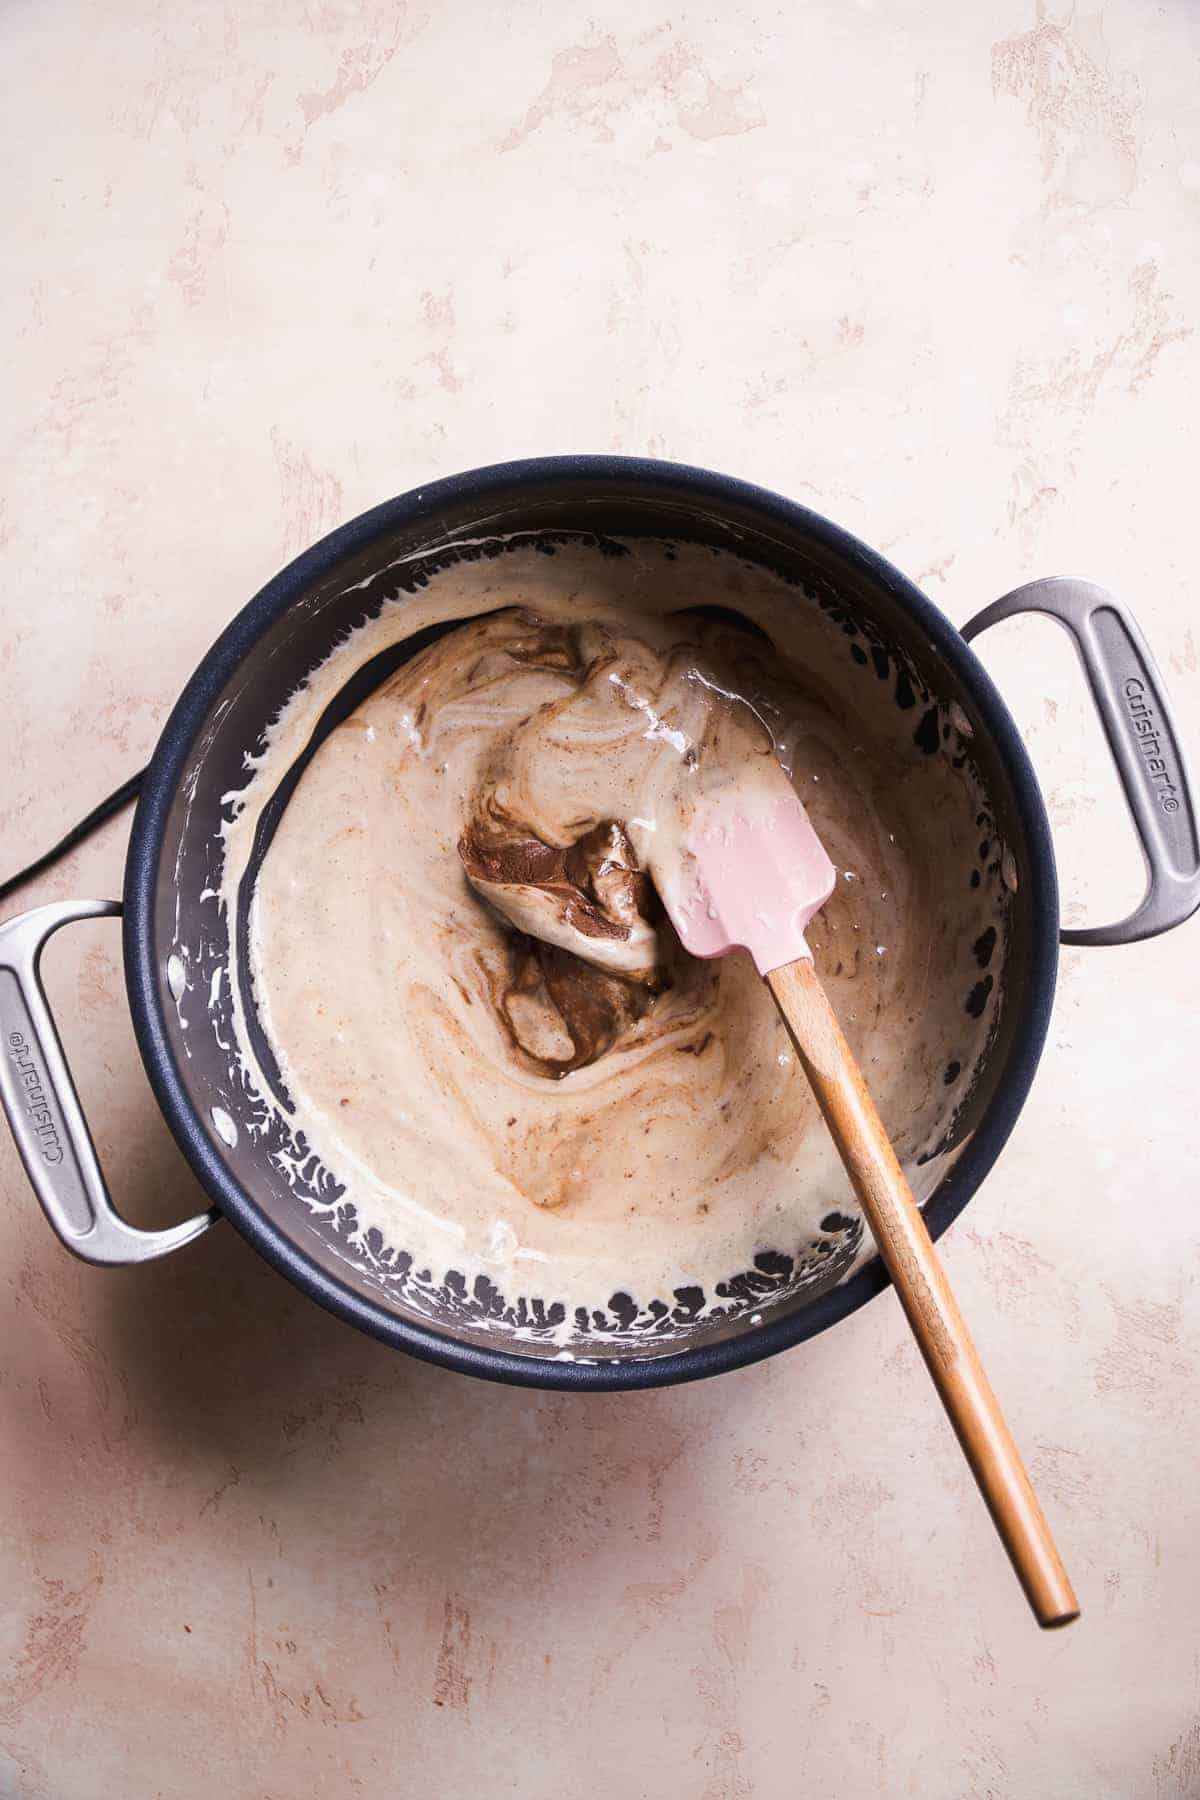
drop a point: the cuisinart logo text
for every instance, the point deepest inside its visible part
(35, 1098)
(1142, 717)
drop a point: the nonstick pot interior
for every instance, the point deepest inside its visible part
(176, 935)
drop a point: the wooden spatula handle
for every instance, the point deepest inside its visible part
(918, 1277)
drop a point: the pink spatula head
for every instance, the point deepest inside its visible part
(752, 875)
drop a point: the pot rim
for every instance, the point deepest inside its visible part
(147, 987)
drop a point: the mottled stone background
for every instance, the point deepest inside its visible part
(931, 268)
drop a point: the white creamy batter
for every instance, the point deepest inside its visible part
(639, 1126)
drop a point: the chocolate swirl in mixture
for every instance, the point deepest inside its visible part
(594, 889)
(649, 714)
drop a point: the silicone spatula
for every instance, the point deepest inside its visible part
(752, 874)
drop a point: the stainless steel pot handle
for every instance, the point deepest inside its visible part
(43, 1108)
(1136, 715)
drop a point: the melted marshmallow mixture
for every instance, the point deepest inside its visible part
(488, 1030)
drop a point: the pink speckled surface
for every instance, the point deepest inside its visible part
(932, 270)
